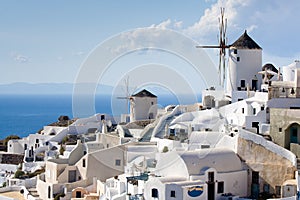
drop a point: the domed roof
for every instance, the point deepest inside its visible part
(269, 66)
(223, 160)
(245, 42)
(195, 162)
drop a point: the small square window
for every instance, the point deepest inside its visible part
(118, 162)
(238, 59)
(173, 193)
(235, 51)
(280, 129)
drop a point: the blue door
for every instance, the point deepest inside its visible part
(293, 135)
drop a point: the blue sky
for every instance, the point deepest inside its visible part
(47, 41)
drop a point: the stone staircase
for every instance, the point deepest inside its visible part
(162, 132)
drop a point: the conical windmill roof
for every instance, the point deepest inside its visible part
(245, 42)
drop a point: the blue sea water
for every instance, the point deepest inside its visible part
(25, 114)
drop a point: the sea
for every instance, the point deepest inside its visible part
(26, 114)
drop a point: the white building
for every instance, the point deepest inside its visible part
(205, 174)
(245, 61)
(143, 105)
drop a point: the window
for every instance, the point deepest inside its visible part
(266, 188)
(262, 107)
(243, 83)
(238, 59)
(173, 193)
(220, 187)
(243, 110)
(255, 177)
(172, 131)
(235, 51)
(280, 129)
(278, 191)
(118, 162)
(211, 176)
(254, 111)
(25, 146)
(36, 140)
(240, 99)
(152, 102)
(102, 117)
(49, 192)
(205, 146)
(83, 163)
(154, 193)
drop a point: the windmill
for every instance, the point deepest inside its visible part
(126, 91)
(222, 46)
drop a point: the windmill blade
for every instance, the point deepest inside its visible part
(223, 58)
(219, 71)
(210, 47)
(222, 40)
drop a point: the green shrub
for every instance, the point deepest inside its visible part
(61, 150)
(165, 149)
(57, 197)
(19, 174)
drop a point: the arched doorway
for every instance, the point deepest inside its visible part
(292, 135)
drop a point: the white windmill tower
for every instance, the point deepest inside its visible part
(245, 61)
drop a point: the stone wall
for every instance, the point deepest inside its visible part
(7, 158)
(280, 120)
(273, 169)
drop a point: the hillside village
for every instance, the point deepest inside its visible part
(239, 143)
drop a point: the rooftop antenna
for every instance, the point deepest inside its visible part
(222, 46)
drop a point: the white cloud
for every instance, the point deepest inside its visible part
(178, 24)
(20, 58)
(251, 28)
(208, 24)
(79, 53)
(168, 24)
(163, 25)
(269, 24)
